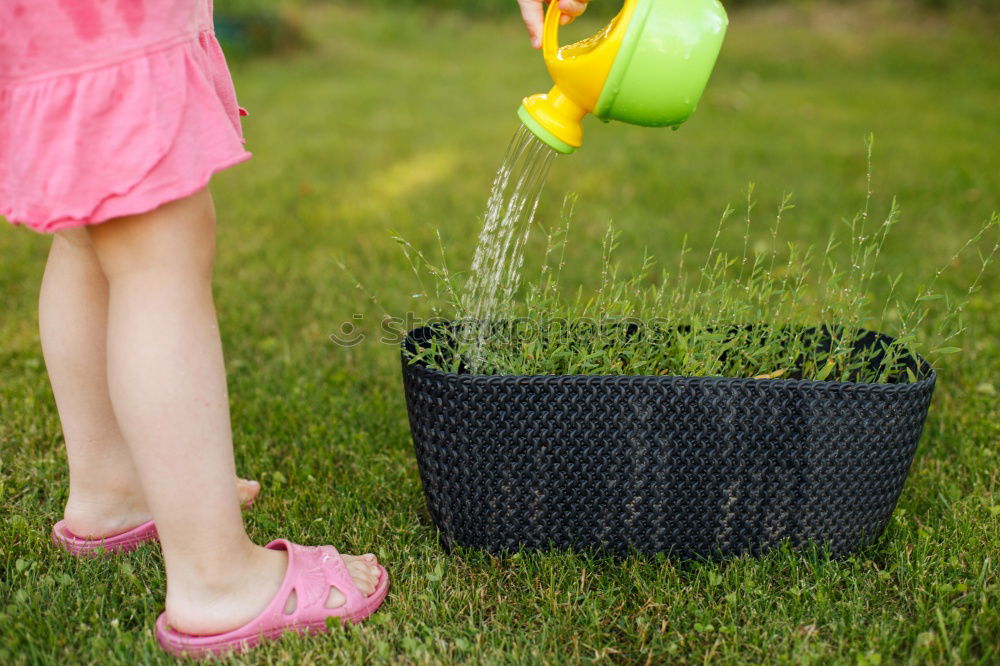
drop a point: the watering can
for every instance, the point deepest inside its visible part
(648, 67)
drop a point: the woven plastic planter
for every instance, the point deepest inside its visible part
(681, 465)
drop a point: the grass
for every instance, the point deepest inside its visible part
(398, 121)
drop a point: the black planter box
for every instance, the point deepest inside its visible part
(688, 466)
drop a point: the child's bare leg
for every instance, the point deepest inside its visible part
(105, 494)
(168, 387)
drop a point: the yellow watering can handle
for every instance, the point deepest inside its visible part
(550, 31)
(579, 72)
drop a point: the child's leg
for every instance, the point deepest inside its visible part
(168, 387)
(105, 494)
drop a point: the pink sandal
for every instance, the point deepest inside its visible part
(312, 571)
(123, 542)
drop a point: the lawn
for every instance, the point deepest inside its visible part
(396, 122)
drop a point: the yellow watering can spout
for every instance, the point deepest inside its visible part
(648, 66)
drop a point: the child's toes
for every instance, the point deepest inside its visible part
(247, 490)
(362, 576)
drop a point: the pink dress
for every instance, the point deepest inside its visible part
(110, 108)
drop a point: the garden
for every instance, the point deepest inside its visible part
(840, 176)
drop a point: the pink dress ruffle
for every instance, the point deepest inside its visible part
(95, 142)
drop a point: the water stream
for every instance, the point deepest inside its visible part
(496, 265)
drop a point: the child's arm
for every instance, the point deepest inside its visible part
(533, 14)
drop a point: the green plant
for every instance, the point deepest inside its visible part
(756, 314)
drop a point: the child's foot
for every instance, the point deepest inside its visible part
(114, 512)
(215, 602)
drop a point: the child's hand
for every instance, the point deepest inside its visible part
(533, 15)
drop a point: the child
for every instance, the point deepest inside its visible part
(113, 117)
